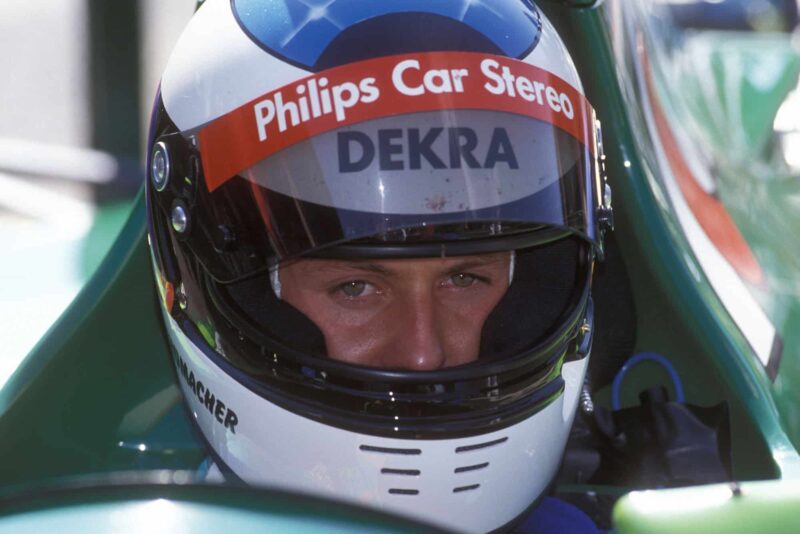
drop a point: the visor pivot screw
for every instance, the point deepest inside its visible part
(224, 238)
(585, 328)
(180, 295)
(586, 402)
(605, 213)
(160, 166)
(179, 218)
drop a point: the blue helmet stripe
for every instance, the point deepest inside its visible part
(300, 30)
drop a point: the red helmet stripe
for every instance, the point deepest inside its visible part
(382, 87)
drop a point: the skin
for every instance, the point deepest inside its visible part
(412, 314)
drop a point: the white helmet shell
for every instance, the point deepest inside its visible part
(235, 69)
(215, 67)
(473, 484)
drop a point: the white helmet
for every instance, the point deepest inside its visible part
(400, 128)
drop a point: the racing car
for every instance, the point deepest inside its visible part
(688, 419)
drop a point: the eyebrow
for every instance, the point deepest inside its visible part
(469, 264)
(369, 267)
(359, 266)
(380, 269)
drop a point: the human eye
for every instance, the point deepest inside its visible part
(355, 289)
(465, 280)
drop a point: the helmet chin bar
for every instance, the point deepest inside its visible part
(475, 483)
(478, 481)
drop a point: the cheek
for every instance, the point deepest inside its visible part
(463, 323)
(372, 336)
(350, 335)
(353, 345)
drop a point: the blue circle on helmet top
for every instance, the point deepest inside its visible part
(317, 34)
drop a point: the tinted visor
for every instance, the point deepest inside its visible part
(406, 163)
(433, 177)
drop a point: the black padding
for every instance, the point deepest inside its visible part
(615, 316)
(389, 35)
(545, 281)
(662, 444)
(275, 318)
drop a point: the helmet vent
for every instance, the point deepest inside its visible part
(406, 472)
(387, 450)
(395, 491)
(468, 468)
(466, 488)
(468, 448)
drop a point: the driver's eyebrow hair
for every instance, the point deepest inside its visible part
(369, 267)
(479, 261)
(454, 268)
(359, 266)
(467, 265)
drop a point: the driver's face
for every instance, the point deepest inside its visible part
(416, 314)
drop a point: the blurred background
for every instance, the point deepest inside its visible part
(79, 77)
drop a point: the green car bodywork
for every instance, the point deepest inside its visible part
(98, 394)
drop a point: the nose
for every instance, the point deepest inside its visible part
(419, 339)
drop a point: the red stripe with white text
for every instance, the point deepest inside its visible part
(382, 87)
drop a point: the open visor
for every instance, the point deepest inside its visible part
(448, 177)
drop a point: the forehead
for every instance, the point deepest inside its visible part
(323, 267)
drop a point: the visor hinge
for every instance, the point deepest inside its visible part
(584, 334)
(605, 212)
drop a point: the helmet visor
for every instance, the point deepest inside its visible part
(450, 173)
(433, 177)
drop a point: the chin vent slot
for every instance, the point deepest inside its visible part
(407, 472)
(468, 448)
(395, 491)
(466, 488)
(386, 450)
(468, 468)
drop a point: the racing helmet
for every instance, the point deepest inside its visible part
(288, 129)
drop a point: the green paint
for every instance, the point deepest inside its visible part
(164, 503)
(751, 507)
(101, 382)
(108, 221)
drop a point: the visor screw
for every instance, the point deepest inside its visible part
(194, 168)
(179, 218)
(180, 295)
(585, 328)
(160, 166)
(586, 402)
(224, 238)
(605, 213)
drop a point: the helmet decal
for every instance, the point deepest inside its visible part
(299, 31)
(388, 86)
